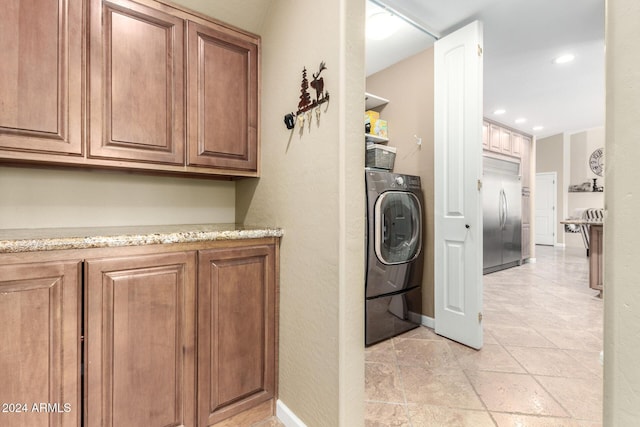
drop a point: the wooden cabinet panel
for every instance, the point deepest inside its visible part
(41, 76)
(40, 343)
(494, 138)
(505, 141)
(485, 135)
(222, 98)
(236, 331)
(516, 144)
(526, 206)
(526, 241)
(136, 83)
(596, 250)
(140, 335)
(526, 162)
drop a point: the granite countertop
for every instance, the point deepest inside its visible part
(49, 239)
(583, 221)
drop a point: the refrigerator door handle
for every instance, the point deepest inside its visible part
(506, 209)
(501, 209)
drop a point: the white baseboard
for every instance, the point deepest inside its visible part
(530, 261)
(429, 322)
(286, 416)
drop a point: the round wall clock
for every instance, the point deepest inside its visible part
(596, 162)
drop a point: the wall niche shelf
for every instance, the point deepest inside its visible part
(372, 101)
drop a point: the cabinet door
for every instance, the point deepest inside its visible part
(222, 98)
(236, 331)
(516, 144)
(505, 141)
(485, 135)
(40, 343)
(494, 138)
(41, 76)
(136, 107)
(140, 340)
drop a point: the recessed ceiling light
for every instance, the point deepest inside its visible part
(563, 59)
(499, 112)
(521, 120)
(536, 128)
(381, 25)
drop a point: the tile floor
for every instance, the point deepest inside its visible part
(539, 367)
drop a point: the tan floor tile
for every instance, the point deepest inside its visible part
(505, 392)
(491, 357)
(572, 339)
(520, 337)
(434, 355)
(439, 416)
(588, 359)
(383, 383)
(581, 397)
(422, 332)
(425, 386)
(385, 414)
(552, 362)
(380, 352)
(271, 422)
(512, 420)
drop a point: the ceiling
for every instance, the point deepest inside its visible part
(521, 40)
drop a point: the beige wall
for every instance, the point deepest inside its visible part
(409, 87)
(571, 162)
(41, 198)
(621, 233)
(550, 158)
(312, 185)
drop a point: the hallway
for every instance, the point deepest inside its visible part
(540, 364)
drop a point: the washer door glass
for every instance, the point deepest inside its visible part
(398, 233)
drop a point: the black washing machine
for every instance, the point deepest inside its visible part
(393, 298)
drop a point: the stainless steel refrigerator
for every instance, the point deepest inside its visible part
(502, 214)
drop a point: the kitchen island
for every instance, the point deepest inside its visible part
(596, 250)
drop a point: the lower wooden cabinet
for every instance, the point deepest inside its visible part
(236, 331)
(140, 340)
(171, 338)
(40, 344)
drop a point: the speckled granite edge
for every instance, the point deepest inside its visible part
(128, 239)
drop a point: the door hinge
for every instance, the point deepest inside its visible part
(480, 317)
(479, 185)
(479, 50)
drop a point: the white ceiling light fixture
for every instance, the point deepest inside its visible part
(499, 111)
(520, 120)
(563, 59)
(381, 25)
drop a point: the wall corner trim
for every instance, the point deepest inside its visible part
(287, 417)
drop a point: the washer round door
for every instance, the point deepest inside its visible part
(398, 227)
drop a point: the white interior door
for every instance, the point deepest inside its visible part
(458, 169)
(546, 208)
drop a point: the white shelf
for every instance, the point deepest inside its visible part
(372, 101)
(375, 138)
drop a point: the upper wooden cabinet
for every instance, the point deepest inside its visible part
(122, 84)
(223, 97)
(40, 306)
(136, 95)
(41, 76)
